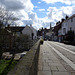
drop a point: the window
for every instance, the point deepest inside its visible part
(70, 28)
(63, 24)
(71, 19)
(64, 30)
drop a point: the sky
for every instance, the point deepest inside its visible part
(39, 13)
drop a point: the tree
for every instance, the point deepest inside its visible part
(6, 18)
(70, 36)
(22, 41)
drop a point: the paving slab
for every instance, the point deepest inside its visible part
(44, 73)
(54, 68)
(61, 73)
(48, 63)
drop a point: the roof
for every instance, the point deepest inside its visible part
(5, 32)
(32, 28)
(57, 27)
(71, 16)
(15, 28)
(29, 28)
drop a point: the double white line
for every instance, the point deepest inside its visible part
(70, 63)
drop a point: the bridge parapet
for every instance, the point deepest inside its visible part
(28, 64)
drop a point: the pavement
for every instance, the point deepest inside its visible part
(49, 63)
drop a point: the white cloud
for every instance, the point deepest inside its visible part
(28, 22)
(67, 10)
(51, 11)
(15, 5)
(39, 2)
(68, 2)
(23, 10)
(28, 5)
(55, 14)
(12, 5)
(41, 9)
(35, 6)
(21, 14)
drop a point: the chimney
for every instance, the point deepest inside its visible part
(62, 20)
(66, 17)
(57, 22)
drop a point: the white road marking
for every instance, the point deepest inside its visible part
(66, 49)
(70, 63)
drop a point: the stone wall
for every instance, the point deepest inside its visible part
(28, 64)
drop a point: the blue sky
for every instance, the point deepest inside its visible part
(43, 5)
(39, 13)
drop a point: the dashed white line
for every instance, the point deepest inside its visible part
(70, 63)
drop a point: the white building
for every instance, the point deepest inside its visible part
(34, 31)
(67, 25)
(71, 23)
(64, 28)
(29, 30)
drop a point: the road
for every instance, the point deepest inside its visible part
(56, 59)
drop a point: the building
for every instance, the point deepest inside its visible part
(50, 33)
(29, 30)
(46, 33)
(67, 24)
(15, 29)
(57, 31)
(70, 22)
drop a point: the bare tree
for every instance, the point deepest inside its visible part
(6, 18)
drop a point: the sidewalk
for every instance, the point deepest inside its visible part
(48, 63)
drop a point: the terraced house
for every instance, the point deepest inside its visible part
(62, 28)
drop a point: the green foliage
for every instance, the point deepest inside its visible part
(70, 36)
(22, 38)
(28, 64)
(3, 65)
(1, 42)
(23, 42)
(4, 68)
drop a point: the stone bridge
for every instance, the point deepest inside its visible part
(28, 64)
(51, 58)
